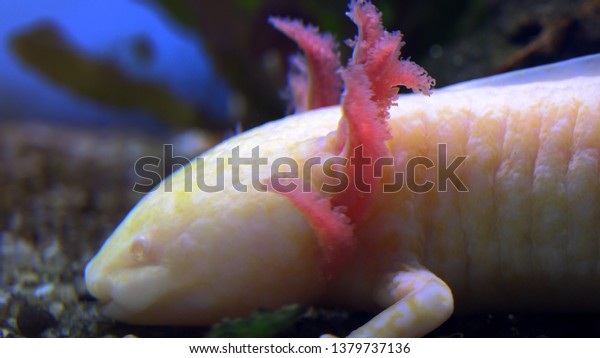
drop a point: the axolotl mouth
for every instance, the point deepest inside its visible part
(135, 297)
(128, 293)
(132, 275)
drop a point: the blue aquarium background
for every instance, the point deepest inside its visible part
(137, 38)
(219, 65)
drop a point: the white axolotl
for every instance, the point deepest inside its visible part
(485, 195)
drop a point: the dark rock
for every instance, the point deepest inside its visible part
(32, 320)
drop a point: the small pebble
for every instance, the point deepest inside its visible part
(66, 293)
(56, 309)
(44, 290)
(28, 279)
(5, 333)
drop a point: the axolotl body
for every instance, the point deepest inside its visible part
(499, 210)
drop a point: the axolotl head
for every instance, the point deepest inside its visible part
(185, 255)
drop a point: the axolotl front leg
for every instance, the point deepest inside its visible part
(422, 303)
(417, 302)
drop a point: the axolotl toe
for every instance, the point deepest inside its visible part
(484, 195)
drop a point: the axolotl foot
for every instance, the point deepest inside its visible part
(419, 302)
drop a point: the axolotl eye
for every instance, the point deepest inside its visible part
(139, 249)
(143, 251)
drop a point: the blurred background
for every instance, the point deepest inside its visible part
(89, 87)
(214, 65)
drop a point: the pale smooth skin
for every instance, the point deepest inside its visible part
(525, 236)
